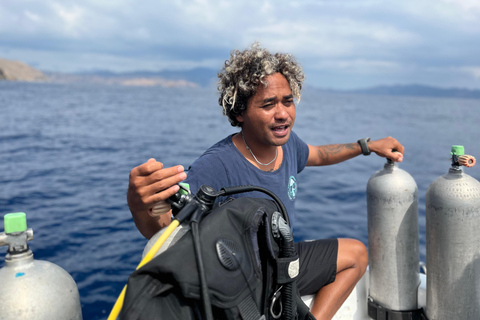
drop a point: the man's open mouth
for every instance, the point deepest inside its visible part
(281, 130)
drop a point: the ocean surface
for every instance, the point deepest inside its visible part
(66, 152)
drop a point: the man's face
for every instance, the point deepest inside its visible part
(270, 113)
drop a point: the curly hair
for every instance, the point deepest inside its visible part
(246, 70)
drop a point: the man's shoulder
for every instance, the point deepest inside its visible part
(212, 166)
(220, 146)
(218, 152)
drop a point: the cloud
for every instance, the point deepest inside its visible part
(349, 37)
(472, 71)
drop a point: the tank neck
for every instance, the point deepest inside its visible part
(455, 170)
(390, 165)
(19, 258)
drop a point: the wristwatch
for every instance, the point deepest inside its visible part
(363, 144)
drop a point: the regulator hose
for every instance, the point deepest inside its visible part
(288, 251)
(207, 307)
(248, 188)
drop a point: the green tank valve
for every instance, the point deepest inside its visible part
(457, 150)
(15, 222)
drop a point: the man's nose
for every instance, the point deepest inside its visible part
(280, 111)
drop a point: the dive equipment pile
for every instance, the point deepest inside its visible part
(238, 261)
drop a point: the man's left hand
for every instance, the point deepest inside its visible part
(385, 148)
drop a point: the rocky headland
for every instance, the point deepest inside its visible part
(19, 71)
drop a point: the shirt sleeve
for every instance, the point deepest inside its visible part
(302, 151)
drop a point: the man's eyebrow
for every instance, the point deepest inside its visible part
(269, 99)
(290, 96)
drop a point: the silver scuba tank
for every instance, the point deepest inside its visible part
(33, 289)
(393, 253)
(453, 243)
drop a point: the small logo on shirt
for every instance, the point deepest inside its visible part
(292, 188)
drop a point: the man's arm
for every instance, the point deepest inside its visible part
(336, 153)
(148, 185)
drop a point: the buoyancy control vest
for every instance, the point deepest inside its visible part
(250, 270)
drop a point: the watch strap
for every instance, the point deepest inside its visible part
(364, 146)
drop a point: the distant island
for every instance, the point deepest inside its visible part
(200, 77)
(119, 79)
(20, 71)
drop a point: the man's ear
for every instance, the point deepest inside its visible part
(240, 118)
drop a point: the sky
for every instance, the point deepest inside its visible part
(344, 44)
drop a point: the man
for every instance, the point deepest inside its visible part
(257, 91)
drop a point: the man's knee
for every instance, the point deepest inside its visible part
(361, 256)
(352, 254)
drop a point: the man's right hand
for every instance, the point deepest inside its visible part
(149, 184)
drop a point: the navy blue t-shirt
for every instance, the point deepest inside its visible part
(223, 165)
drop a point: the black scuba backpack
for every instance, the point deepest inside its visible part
(246, 271)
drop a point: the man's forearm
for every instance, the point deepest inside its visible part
(333, 153)
(148, 225)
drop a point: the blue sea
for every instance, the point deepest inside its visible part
(66, 152)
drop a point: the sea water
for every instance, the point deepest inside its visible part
(66, 152)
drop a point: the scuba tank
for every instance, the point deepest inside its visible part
(393, 249)
(453, 243)
(33, 289)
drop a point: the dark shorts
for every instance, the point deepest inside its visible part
(318, 264)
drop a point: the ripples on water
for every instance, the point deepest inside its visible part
(66, 152)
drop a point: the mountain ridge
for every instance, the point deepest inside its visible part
(419, 90)
(203, 77)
